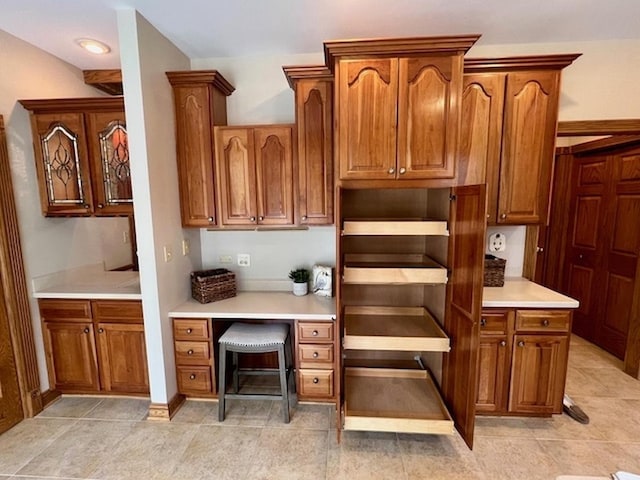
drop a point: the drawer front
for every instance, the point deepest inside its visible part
(316, 383)
(191, 329)
(117, 311)
(194, 380)
(494, 322)
(53, 310)
(315, 331)
(193, 353)
(541, 321)
(315, 356)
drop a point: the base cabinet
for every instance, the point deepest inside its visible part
(95, 346)
(195, 359)
(315, 360)
(523, 361)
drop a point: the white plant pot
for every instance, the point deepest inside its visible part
(300, 289)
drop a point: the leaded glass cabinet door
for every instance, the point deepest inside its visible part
(62, 164)
(109, 146)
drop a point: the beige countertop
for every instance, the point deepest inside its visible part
(522, 293)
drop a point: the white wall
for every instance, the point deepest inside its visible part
(145, 57)
(48, 244)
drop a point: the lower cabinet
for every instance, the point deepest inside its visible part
(195, 358)
(95, 346)
(523, 361)
(315, 360)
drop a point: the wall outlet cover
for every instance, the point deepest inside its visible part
(244, 260)
(497, 242)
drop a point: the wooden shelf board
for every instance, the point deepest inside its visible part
(394, 400)
(392, 269)
(409, 226)
(393, 328)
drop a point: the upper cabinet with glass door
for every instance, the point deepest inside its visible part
(82, 156)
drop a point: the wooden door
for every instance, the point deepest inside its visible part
(366, 106)
(481, 134)
(429, 90)
(538, 373)
(10, 401)
(62, 163)
(110, 166)
(71, 357)
(236, 167)
(494, 364)
(274, 174)
(464, 294)
(528, 141)
(195, 153)
(123, 358)
(314, 121)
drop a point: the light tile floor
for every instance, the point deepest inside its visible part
(109, 438)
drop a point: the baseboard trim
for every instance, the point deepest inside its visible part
(49, 397)
(166, 411)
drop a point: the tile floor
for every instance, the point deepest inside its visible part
(109, 438)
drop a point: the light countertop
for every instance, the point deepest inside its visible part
(522, 293)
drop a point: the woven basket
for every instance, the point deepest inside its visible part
(494, 271)
(212, 285)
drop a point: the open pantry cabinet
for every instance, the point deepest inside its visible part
(410, 263)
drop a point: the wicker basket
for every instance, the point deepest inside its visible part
(494, 271)
(212, 285)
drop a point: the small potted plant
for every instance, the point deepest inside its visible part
(300, 278)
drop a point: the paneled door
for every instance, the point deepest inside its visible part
(10, 403)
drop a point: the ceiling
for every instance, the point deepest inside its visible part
(216, 28)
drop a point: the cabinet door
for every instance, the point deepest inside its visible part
(274, 174)
(314, 107)
(538, 373)
(62, 163)
(123, 358)
(481, 134)
(111, 169)
(194, 143)
(429, 92)
(493, 374)
(236, 167)
(71, 357)
(366, 106)
(528, 142)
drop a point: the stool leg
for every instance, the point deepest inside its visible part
(291, 364)
(282, 366)
(222, 381)
(236, 368)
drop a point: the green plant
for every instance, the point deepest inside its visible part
(299, 275)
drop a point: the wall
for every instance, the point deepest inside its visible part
(145, 57)
(48, 244)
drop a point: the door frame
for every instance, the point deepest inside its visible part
(622, 132)
(14, 285)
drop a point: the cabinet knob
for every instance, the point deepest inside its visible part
(315, 354)
(392, 170)
(101, 330)
(316, 380)
(503, 343)
(210, 219)
(252, 219)
(192, 376)
(581, 256)
(315, 333)
(189, 352)
(304, 217)
(545, 323)
(189, 330)
(86, 330)
(86, 205)
(503, 215)
(488, 215)
(483, 322)
(402, 170)
(521, 343)
(539, 250)
(261, 218)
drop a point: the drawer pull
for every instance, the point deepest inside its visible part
(503, 343)
(315, 354)
(192, 376)
(210, 219)
(315, 333)
(545, 323)
(483, 322)
(304, 217)
(521, 343)
(503, 216)
(189, 330)
(189, 352)
(392, 171)
(402, 170)
(101, 330)
(86, 330)
(316, 380)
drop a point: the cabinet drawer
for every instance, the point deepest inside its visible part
(191, 329)
(194, 380)
(494, 322)
(315, 332)
(117, 311)
(193, 353)
(315, 356)
(541, 321)
(54, 310)
(316, 383)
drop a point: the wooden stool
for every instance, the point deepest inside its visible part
(255, 338)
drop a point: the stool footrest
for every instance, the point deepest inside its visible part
(252, 396)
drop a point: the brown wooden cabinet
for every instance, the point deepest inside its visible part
(195, 357)
(82, 156)
(313, 86)
(255, 175)
(200, 104)
(508, 128)
(523, 363)
(315, 359)
(397, 106)
(95, 346)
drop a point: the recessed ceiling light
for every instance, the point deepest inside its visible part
(93, 46)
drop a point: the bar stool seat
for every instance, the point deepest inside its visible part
(255, 338)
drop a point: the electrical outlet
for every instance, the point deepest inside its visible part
(225, 259)
(168, 253)
(244, 259)
(186, 246)
(497, 242)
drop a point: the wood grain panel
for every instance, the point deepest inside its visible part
(58, 310)
(587, 216)
(123, 358)
(581, 283)
(618, 298)
(117, 311)
(626, 238)
(10, 397)
(630, 169)
(493, 370)
(592, 173)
